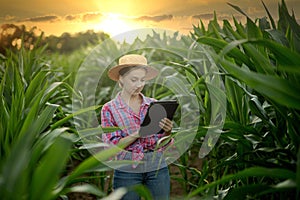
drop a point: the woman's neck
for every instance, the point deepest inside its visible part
(129, 99)
(133, 101)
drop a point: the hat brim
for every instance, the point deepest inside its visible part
(114, 74)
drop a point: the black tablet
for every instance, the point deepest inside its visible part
(156, 112)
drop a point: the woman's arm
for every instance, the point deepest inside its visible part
(165, 124)
(107, 120)
(126, 141)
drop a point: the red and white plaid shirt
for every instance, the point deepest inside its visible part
(117, 113)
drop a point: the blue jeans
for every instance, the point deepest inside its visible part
(158, 183)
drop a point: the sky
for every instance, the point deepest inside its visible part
(114, 17)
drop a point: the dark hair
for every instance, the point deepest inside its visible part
(123, 71)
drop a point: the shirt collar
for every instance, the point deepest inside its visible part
(121, 104)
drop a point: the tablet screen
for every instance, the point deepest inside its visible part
(156, 112)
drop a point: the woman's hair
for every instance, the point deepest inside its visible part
(125, 70)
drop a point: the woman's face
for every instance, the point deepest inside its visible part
(133, 81)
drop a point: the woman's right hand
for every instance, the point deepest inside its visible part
(126, 141)
(135, 135)
(166, 125)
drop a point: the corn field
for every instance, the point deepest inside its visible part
(245, 78)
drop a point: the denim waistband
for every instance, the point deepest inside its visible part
(152, 160)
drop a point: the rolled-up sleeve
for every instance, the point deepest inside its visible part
(107, 120)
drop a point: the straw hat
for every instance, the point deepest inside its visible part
(132, 60)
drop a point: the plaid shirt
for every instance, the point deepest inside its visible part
(117, 113)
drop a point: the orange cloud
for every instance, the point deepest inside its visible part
(72, 17)
(91, 17)
(157, 18)
(50, 18)
(203, 16)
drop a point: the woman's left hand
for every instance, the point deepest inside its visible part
(166, 125)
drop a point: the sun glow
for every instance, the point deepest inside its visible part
(115, 24)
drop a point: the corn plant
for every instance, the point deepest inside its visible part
(36, 142)
(260, 63)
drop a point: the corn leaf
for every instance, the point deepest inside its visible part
(279, 90)
(249, 172)
(48, 170)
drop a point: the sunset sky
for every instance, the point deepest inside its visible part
(117, 16)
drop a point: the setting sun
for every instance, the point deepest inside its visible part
(115, 24)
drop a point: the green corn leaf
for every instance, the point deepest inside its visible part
(240, 193)
(31, 115)
(44, 142)
(275, 88)
(233, 130)
(298, 170)
(49, 169)
(284, 56)
(218, 100)
(249, 172)
(230, 32)
(270, 16)
(238, 9)
(220, 44)
(44, 119)
(258, 110)
(92, 132)
(261, 62)
(14, 173)
(84, 188)
(70, 116)
(143, 191)
(278, 37)
(91, 162)
(239, 28)
(236, 98)
(49, 91)
(35, 86)
(258, 190)
(253, 31)
(16, 164)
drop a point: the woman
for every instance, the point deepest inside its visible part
(127, 110)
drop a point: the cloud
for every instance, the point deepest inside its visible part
(82, 17)
(219, 17)
(203, 16)
(72, 17)
(157, 18)
(9, 18)
(50, 18)
(91, 17)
